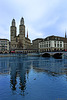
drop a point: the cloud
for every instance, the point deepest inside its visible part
(63, 27)
(32, 33)
(4, 33)
(39, 16)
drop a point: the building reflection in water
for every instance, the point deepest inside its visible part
(22, 74)
(13, 75)
(51, 66)
(4, 66)
(19, 67)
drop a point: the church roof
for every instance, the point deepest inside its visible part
(27, 38)
(55, 38)
(37, 39)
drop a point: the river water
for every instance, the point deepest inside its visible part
(33, 78)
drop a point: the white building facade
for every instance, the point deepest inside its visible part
(50, 44)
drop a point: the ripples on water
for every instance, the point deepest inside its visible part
(33, 78)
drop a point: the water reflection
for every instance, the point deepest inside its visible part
(52, 66)
(19, 67)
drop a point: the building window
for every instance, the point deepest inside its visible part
(49, 45)
(60, 45)
(60, 41)
(58, 38)
(57, 45)
(55, 38)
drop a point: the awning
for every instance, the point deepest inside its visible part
(12, 51)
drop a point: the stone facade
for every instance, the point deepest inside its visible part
(4, 46)
(19, 42)
(35, 44)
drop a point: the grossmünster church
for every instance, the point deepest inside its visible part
(19, 42)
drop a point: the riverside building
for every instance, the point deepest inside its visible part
(4, 46)
(35, 44)
(53, 43)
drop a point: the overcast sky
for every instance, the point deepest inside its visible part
(42, 17)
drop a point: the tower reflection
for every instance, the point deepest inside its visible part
(13, 74)
(19, 68)
(22, 75)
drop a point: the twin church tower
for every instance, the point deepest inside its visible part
(19, 42)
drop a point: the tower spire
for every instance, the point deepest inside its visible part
(27, 33)
(65, 33)
(13, 22)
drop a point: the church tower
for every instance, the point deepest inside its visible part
(22, 27)
(13, 30)
(22, 32)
